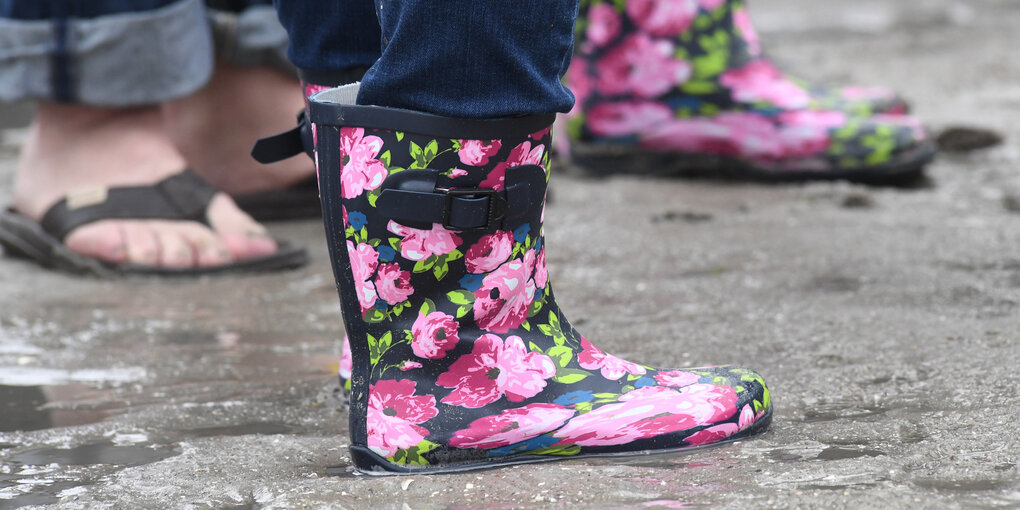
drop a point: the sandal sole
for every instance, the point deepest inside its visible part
(23, 238)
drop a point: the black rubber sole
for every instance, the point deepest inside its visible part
(367, 462)
(23, 238)
(604, 160)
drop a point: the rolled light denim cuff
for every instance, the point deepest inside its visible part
(132, 58)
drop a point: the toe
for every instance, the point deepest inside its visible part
(208, 249)
(243, 237)
(175, 250)
(140, 243)
(103, 240)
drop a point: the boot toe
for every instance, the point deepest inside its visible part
(880, 146)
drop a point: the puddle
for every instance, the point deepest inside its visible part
(829, 452)
(904, 406)
(38, 376)
(678, 459)
(245, 429)
(92, 454)
(784, 456)
(838, 411)
(962, 485)
(34, 408)
(40, 475)
(818, 487)
(48, 495)
(835, 284)
(837, 453)
(190, 338)
(342, 471)
(21, 408)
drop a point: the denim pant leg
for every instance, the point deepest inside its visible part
(330, 39)
(459, 58)
(50, 9)
(129, 52)
(103, 53)
(465, 58)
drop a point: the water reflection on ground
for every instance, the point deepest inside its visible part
(41, 407)
(203, 373)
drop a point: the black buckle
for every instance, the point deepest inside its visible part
(497, 207)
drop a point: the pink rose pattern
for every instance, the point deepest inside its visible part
(523, 154)
(393, 284)
(473, 359)
(394, 415)
(346, 363)
(603, 24)
(663, 18)
(364, 261)
(512, 426)
(722, 431)
(420, 244)
(477, 152)
(642, 67)
(494, 369)
(612, 368)
(760, 81)
(676, 378)
(434, 335)
(649, 412)
(506, 294)
(311, 89)
(361, 170)
(656, 75)
(490, 252)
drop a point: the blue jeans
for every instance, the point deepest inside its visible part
(458, 58)
(118, 53)
(49, 9)
(54, 9)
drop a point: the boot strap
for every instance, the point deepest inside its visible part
(281, 146)
(412, 196)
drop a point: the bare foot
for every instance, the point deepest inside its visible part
(75, 147)
(215, 128)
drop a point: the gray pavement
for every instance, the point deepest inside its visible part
(887, 322)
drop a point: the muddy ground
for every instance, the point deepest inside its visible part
(887, 322)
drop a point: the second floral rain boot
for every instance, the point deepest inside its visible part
(682, 87)
(299, 201)
(460, 357)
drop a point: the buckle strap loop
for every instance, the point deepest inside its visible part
(290, 143)
(405, 200)
(468, 206)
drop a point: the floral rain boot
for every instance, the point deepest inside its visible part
(854, 100)
(682, 87)
(460, 357)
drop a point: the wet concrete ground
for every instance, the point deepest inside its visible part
(887, 322)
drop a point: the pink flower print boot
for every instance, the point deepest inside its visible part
(682, 87)
(459, 357)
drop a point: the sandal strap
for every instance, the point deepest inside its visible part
(181, 197)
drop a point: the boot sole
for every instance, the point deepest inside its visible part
(605, 159)
(370, 463)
